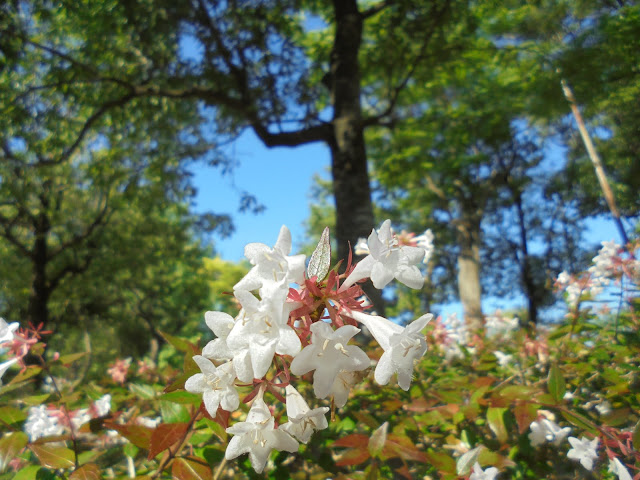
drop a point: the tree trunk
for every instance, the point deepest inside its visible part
(354, 210)
(38, 309)
(469, 288)
(528, 282)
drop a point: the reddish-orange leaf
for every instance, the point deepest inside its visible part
(139, 435)
(166, 435)
(402, 447)
(191, 468)
(88, 471)
(404, 472)
(354, 456)
(353, 440)
(525, 413)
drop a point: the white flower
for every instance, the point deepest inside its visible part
(79, 418)
(387, 261)
(215, 384)
(40, 424)
(402, 346)
(302, 421)
(342, 385)
(273, 267)
(604, 407)
(258, 437)
(617, 467)
(327, 354)
(149, 422)
(220, 324)
(425, 241)
(261, 331)
(6, 330)
(4, 366)
(547, 431)
(102, 406)
(503, 359)
(583, 450)
(361, 247)
(479, 474)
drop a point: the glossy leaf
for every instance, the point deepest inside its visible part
(89, 471)
(190, 468)
(555, 384)
(165, 435)
(10, 446)
(54, 457)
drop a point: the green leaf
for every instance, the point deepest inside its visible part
(10, 447)
(191, 468)
(320, 260)
(495, 418)
(578, 420)
(182, 397)
(30, 472)
(636, 437)
(54, 457)
(179, 344)
(11, 415)
(90, 471)
(174, 412)
(555, 384)
(72, 357)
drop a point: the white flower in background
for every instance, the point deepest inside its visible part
(583, 450)
(273, 267)
(564, 278)
(402, 346)
(220, 324)
(149, 422)
(328, 354)
(603, 261)
(387, 260)
(257, 436)
(40, 424)
(547, 431)
(79, 418)
(503, 359)
(479, 474)
(604, 407)
(4, 366)
(302, 420)
(499, 325)
(617, 467)
(361, 247)
(425, 242)
(261, 331)
(102, 406)
(215, 384)
(6, 330)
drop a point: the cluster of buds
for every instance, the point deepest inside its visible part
(295, 320)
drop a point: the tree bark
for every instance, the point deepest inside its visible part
(38, 309)
(469, 288)
(525, 266)
(354, 210)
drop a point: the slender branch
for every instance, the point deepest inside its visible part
(595, 159)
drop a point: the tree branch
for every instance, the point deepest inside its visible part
(373, 10)
(318, 133)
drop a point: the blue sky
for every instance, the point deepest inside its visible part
(281, 179)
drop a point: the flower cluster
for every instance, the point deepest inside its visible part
(295, 320)
(609, 264)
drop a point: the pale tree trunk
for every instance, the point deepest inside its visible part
(469, 288)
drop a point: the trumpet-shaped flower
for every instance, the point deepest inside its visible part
(272, 267)
(6, 330)
(388, 260)
(402, 346)
(617, 467)
(260, 332)
(547, 431)
(583, 450)
(328, 354)
(302, 420)
(258, 436)
(4, 366)
(479, 474)
(215, 384)
(220, 324)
